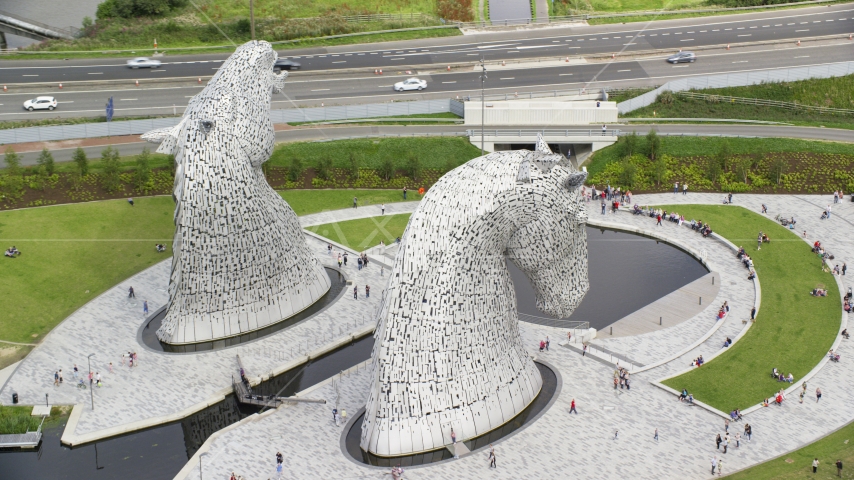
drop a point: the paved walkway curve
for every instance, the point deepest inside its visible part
(560, 445)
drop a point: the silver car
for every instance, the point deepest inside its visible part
(682, 57)
(143, 62)
(410, 84)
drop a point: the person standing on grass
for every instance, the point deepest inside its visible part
(404, 193)
(815, 465)
(130, 201)
(839, 468)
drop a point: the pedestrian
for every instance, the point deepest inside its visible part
(542, 345)
(675, 188)
(340, 261)
(726, 425)
(725, 442)
(817, 395)
(729, 198)
(111, 367)
(714, 464)
(572, 407)
(359, 262)
(720, 465)
(383, 208)
(844, 267)
(684, 189)
(616, 434)
(135, 359)
(828, 212)
(343, 415)
(748, 430)
(801, 396)
(839, 468)
(55, 379)
(453, 436)
(130, 293)
(836, 197)
(603, 130)
(91, 378)
(279, 457)
(98, 379)
(355, 202)
(547, 344)
(658, 220)
(130, 201)
(278, 470)
(492, 459)
(584, 350)
(382, 271)
(616, 382)
(815, 465)
(334, 413)
(718, 441)
(75, 371)
(568, 337)
(145, 307)
(404, 193)
(737, 440)
(345, 259)
(603, 207)
(764, 208)
(655, 437)
(367, 291)
(753, 313)
(329, 249)
(355, 292)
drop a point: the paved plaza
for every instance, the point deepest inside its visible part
(556, 445)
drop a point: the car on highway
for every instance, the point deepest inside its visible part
(285, 64)
(682, 57)
(410, 84)
(40, 103)
(143, 62)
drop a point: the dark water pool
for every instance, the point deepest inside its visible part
(149, 339)
(627, 272)
(525, 416)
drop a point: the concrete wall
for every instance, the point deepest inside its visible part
(540, 112)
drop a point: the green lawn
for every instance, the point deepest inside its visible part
(417, 116)
(16, 420)
(74, 252)
(364, 233)
(798, 464)
(224, 9)
(793, 329)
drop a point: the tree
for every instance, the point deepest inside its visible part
(777, 169)
(413, 167)
(713, 170)
(630, 144)
(13, 162)
(353, 166)
(143, 170)
(628, 172)
(653, 144)
(742, 168)
(110, 166)
(386, 169)
(323, 170)
(37, 180)
(79, 159)
(45, 161)
(659, 169)
(296, 169)
(723, 155)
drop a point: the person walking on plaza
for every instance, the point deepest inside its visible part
(340, 261)
(130, 293)
(75, 371)
(764, 208)
(815, 465)
(584, 350)
(572, 407)
(726, 425)
(110, 367)
(684, 189)
(367, 291)
(345, 259)
(616, 434)
(658, 220)
(676, 188)
(60, 376)
(817, 395)
(55, 379)
(603, 130)
(383, 208)
(548, 342)
(748, 431)
(145, 307)
(492, 459)
(844, 267)
(655, 437)
(355, 292)
(718, 441)
(714, 464)
(720, 465)
(827, 210)
(603, 207)
(355, 202)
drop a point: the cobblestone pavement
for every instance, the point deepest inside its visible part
(560, 445)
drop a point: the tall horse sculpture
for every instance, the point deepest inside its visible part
(240, 261)
(448, 353)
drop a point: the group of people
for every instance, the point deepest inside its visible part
(686, 397)
(610, 194)
(698, 362)
(12, 252)
(747, 261)
(621, 378)
(544, 344)
(133, 360)
(704, 228)
(834, 356)
(723, 311)
(777, 375)
(342, 258)
(339, 417)
(160, 248)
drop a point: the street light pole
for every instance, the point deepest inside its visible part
(482, 102)
(252, 18)
(91, 394)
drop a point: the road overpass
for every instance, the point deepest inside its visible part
(24, 27)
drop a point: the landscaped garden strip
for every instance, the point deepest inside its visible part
(793, 330)
(364, 233)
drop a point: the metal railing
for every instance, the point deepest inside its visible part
(554, 322)
(738, 79)
(532, 134)
(711, 98)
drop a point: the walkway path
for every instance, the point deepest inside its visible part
(543, 11)
(509, 11)
(561, 445)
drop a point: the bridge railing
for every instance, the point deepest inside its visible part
(532, 134)
(22, 22)
(554, 322)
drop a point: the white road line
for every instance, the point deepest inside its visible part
(555, 41)
(398, 58)
(508, 78)
(754, 27)
(158, 70)
(373, 53)
(805, 30)
(386, 86)
(96, 73)
(778, 25)
(790, 24)
(341, 61)
(804, 23)
(29, 75)
(803, 56)
(618, 71)
(741, 61)
(680, 66)
(564, 74)
(451, 82)
(320, 90)
(817, 21)
(629, 44)
(765, 26)
(472, 54)
(128, 99)
(687, 40)
(746, 35)
(716, 30)
(653, 35)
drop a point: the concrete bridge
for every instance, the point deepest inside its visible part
(15, 25)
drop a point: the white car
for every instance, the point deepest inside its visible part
(40, 103)
(410, 84)
(143, 62)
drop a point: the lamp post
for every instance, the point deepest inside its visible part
(252, 18)
(482, 102)
(91, 394)
(200, 464)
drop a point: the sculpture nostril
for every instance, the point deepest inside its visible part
(206, 125)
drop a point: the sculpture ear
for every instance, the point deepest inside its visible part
(575, 180)
(166, 137)
(542, 146)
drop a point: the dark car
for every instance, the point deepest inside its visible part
(285, 64)
(682, 57)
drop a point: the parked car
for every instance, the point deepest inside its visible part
(285, 64)
(143, 62)
(682, 57)
(410, 84)
(40, 103)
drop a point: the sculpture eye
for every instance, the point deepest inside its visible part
(206, 125)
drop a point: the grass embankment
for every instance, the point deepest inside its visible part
(828, 92)
(16, 420)
(72, 253)
(804, 166)
(798, 464)
(8, 124)
(364, 233)
(793, 330)
(403, 120)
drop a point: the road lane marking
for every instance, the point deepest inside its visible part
(629, 44)
(803, 56)
(687, 40)
(508, 78)
(746, 35)
(741, 61)
(564, 74)
(805, 30)
(451, 82)
(341, 61)
(680, 66)
(618, 71)
(96, 73)
(29, 75)
(320, 90)
(128, 99)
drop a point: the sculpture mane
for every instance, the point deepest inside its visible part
(240, 261)
(448, 353)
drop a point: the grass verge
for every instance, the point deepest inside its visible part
(364, 233)
(441, 115)
(17, 420)
(72, 253)
(793, 330)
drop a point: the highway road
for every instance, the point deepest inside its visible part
(523, 77)
(553, 42)
(132, 146)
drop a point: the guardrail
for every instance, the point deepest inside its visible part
(711, 98)
(532, 134)
(546, 94)
(554, 322)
